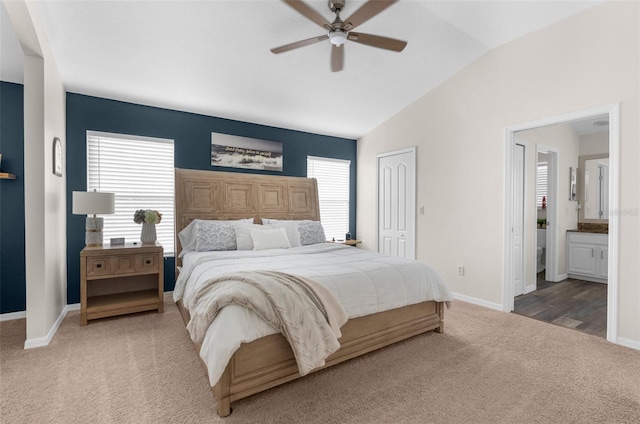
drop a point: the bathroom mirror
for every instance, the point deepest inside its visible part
(594, 188)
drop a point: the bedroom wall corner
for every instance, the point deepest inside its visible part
(45, 194)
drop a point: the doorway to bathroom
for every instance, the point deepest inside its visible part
(579, 290)
(570, 292)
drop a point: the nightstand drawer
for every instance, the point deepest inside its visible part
(147, 262)
(97, 266)
(123, 264)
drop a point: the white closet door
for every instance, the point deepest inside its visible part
(397, 203)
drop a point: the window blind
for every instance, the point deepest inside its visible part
(140, 171)
(541, 183)
(333, 193)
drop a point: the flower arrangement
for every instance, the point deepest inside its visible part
(147, 216)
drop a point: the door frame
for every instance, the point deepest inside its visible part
(519, 173)
(613, 110)
(379, 156)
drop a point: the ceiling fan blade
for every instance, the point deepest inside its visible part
(298, 44)
(309, 13)
(337, 58)
(366, 12)
(377, 41)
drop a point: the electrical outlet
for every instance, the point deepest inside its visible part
(460, 269)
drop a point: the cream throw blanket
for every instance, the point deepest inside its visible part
(304, 311)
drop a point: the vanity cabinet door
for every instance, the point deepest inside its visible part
(604, 262)
(582, 259)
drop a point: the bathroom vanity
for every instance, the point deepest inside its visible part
(587, 256)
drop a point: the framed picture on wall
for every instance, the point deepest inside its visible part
(243, 152)
(572, 183)
(57, 157)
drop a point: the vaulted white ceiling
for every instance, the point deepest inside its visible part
(212, 57)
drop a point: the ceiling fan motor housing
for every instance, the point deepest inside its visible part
(336, 5)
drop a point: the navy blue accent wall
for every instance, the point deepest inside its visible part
(192, 137)
(12, 261)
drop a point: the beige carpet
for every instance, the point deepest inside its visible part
(489, 367)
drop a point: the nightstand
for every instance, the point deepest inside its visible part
(117, 280)
(347, 242)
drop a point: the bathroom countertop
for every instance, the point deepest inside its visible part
(588, 227)
(588, 231)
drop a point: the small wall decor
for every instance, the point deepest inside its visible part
(572, 183)
(57, 157)
(243, 152)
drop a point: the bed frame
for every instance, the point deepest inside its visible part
(269, 361)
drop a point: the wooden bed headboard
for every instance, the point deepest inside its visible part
(230, 195)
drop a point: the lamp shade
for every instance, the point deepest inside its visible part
(93, 202)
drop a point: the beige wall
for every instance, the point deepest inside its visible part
(594, 144)
(459, 131)
(45, 193)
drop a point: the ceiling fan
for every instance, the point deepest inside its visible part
(341, 31)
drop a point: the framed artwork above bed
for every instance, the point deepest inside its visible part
(244, 152)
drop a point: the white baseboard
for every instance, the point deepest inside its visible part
(73, 307)
(633, 344)
(531, 288)
(44, 341)
(476, 301)
(562, 277)
(10, 316)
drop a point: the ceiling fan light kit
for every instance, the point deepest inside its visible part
(337, 37)
(340, 31)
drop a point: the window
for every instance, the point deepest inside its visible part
(139, 170)
(333, 193)
(541, 184)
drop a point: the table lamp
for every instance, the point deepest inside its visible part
(93, 202)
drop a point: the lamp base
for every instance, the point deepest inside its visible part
(93, 234)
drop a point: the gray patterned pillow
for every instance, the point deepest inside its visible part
(311, 232)
(216, 235)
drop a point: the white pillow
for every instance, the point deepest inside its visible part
(187, 238)
(291, 228)
(270, 239)
(243, 234)
(311, 232)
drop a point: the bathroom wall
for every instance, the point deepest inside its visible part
(594, 144)
(563, 139)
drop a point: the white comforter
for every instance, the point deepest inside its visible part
(363, 281)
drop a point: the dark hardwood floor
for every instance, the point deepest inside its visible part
(577, 304)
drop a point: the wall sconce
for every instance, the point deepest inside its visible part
(93, 202)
